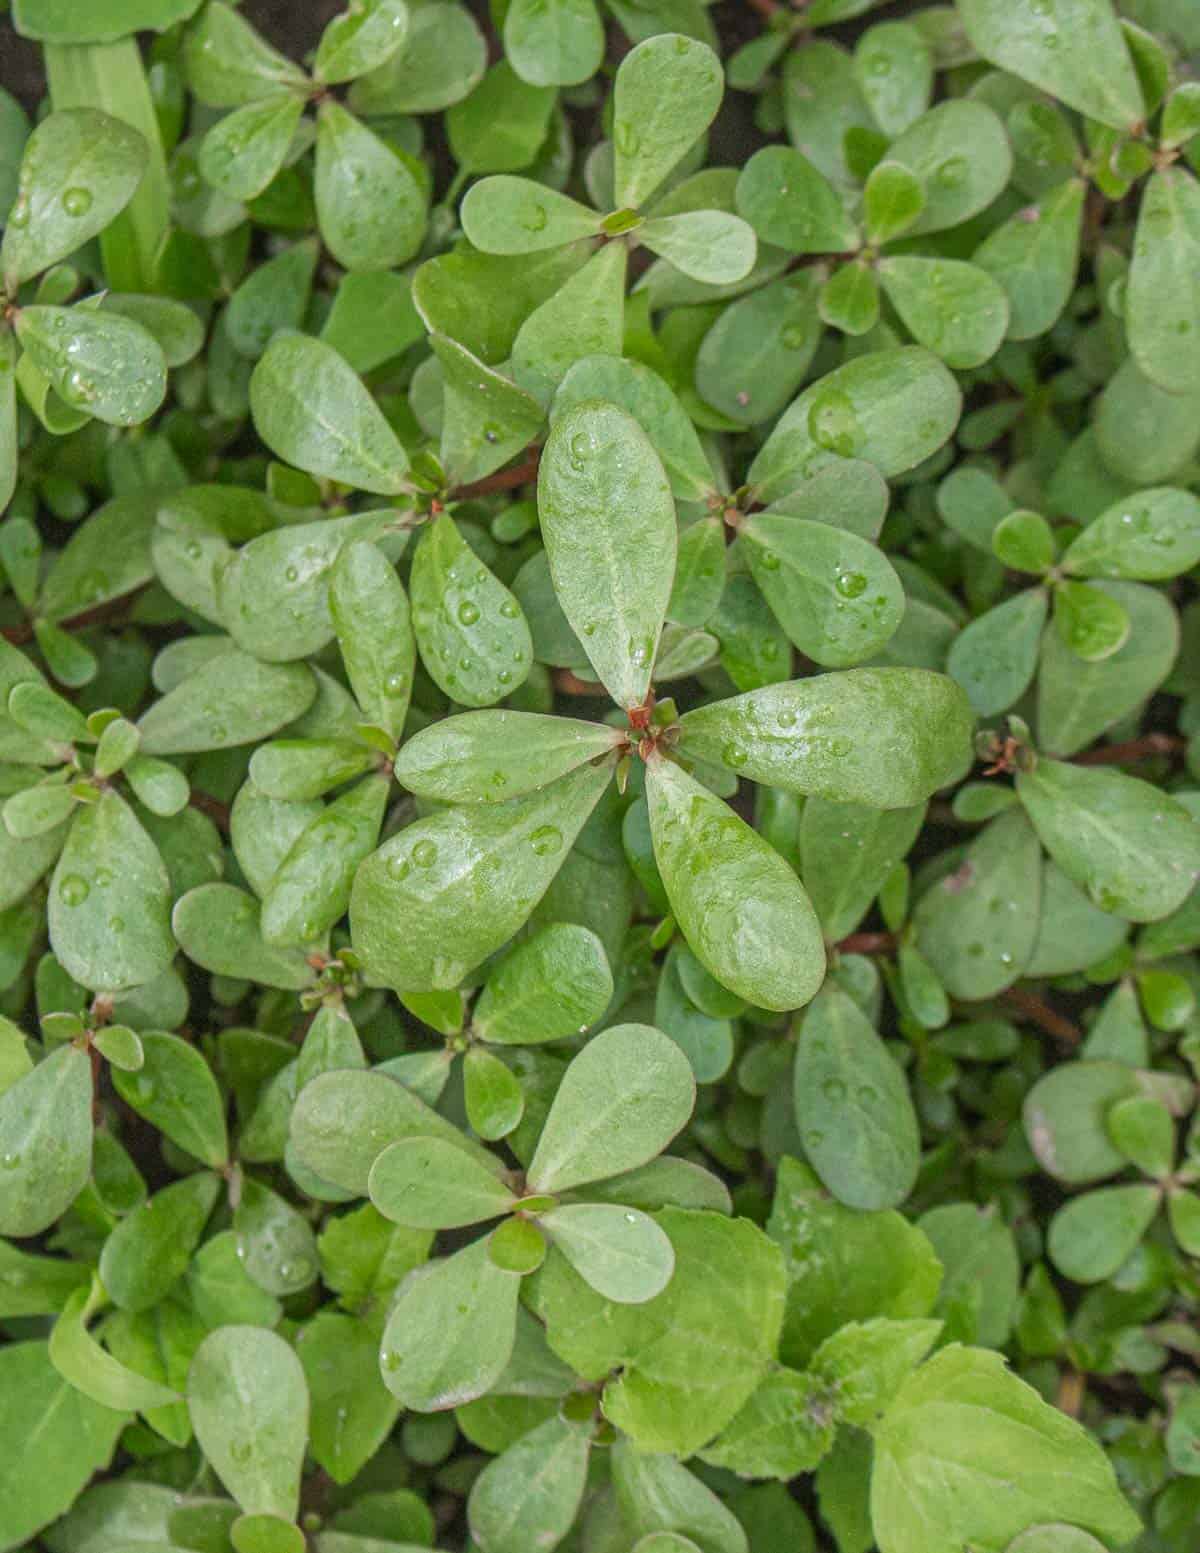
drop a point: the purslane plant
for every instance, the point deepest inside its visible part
(599, 695)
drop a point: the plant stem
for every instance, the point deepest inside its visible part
(1145, 748)
(1039, 1013)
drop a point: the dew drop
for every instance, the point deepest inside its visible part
(292, 574)
(533, 219)
(851, 584)
(833, 1089)
(734, 756)
(510, 609)
(77, 202)
(397, 867)
(833, 424)
(546, 839)
(580, 448)
(73, 890)
(396, 684)
(468, 613)
(10, 1161)
(424, 854)
(952, 173)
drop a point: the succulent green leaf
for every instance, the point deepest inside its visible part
(742, 909)
(834, 593)
(98, 362)
(361, 40)
(533, 1489)
(248, 1401)
(79, 170)
(977, 927)
(960, 153)
(312, 409)
(608, 523)
(45, 1141)
(371, 199)
(619, 1251)
(888, 738)
(471, 631)
(451, 1331)
(601, 1123)
(1091, 1236)
(1132, 849)
(552, 985)
(958, 311)
(148, 1252)
(229, 63)
(642, 393)
(853, 1107)
(310, 889)
(427, 1183)
(110, 899)
(706, 245)
(242, 152)
(667, 93)
(1072, 49)
(554, 43)
(486, 420)
(232, 699)
(55, 1439)
(94, 1372)
(219, 927)
(1153, 535)
(1034, 255)
(847, 851)
(506, 215)
(175, 1091)
(344, 1120)
(855, 412)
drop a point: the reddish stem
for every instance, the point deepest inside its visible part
(213, 807)
(867, 943)
(1032, 1008)
(19, 634)
(502, 480)
(1145, 748)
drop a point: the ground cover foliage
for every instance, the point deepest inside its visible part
(599, 693)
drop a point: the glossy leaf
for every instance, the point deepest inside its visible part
(887, 738)
(371, 205)
(311, 408)
(600, 1123)
(451, 1331)
(249, 1406)
(834, 593)
(471, 631)
(1132, 849)
(80, 168)
(620, 1252)
(45, 1141)
(608, 524)
(552, 985)
(427, 1183)
(741, 908)
(1092, 72)
(853, 1107)
(854, 412)
(666, 94)
(110, 872)
(98, 362)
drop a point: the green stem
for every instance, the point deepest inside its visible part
(111, 77)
